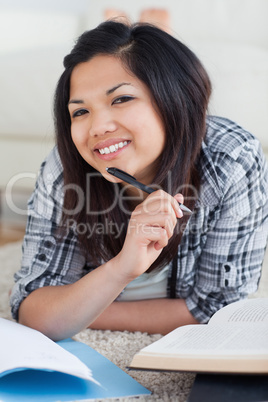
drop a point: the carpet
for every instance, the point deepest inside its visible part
(119, 347)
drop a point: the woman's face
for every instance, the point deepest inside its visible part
(114, 122)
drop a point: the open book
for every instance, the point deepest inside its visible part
(34, 368)
(234, 341)
(22, 347)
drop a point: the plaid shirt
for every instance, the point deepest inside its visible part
(223, 245)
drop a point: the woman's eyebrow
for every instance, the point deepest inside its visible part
(110, 91)
(76, 101)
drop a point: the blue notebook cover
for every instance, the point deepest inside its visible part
(45, 386)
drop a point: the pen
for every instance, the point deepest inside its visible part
(120, 174)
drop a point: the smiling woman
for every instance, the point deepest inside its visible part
(101, 253)
(106, 128)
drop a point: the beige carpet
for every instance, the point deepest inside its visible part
(119, 347)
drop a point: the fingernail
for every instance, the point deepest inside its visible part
(180, 213)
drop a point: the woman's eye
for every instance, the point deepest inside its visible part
(122, 99)
(79, 112)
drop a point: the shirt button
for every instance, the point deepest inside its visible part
(48, 244)
(42, 257)
(227, 268)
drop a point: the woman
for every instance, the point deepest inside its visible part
(99, 253)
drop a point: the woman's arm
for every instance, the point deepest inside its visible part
(62, 311)
(152, 316)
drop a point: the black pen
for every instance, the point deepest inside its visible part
(120, 174)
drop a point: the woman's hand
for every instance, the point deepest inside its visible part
(150, 227)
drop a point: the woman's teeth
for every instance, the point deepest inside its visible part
(112, 148)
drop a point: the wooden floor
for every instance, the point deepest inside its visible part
(10, 232)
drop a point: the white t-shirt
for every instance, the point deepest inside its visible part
(151, 285)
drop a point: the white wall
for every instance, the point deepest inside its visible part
(230, 37)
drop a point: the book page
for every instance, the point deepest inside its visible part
(212, 340)
(22, 347)
(243, 312)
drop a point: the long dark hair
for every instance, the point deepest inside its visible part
(181, 89)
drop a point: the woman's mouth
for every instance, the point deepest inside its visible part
(113, 148)
(108, 150)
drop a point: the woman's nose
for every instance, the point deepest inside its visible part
(102, 122)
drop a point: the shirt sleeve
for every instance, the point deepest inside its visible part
(50, 256)
(229, 266)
